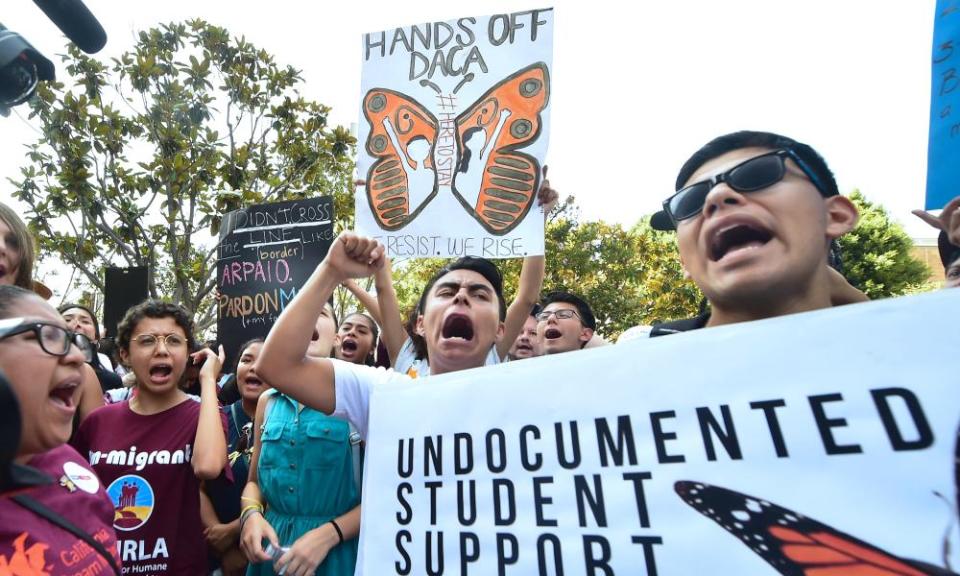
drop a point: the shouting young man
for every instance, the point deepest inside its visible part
(755, 214)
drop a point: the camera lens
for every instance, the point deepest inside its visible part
(18, 80)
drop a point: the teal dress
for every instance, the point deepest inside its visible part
(305, 472)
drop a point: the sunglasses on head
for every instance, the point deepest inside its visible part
(750, 175)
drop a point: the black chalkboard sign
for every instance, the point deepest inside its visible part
(265, 255)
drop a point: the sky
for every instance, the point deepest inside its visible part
(637, 87)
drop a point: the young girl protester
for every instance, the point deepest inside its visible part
(153, 450)
(302, 491)
(356, 339)
(43, 361)
(223, 529)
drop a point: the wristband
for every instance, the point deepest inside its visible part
(246, 514)
(339, 531)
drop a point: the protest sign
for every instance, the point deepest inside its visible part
(453, 131)
(943, 152)
(819, 440)
(265, 255)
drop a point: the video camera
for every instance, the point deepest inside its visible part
(23, 67)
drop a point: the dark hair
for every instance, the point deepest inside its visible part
(10, 295)
(586, 314)
(948, 252)
(24, 277)
(154, 309)
(96, 325)
(419, 344)
(481, 266)
(373, 323)
(537, 308)
(243, 347)
(812, 164)
(750, 139)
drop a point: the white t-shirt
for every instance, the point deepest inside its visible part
(353, 384)
(408, 363)
(105, 361)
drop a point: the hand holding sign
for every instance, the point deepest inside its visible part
(353, 256)
(547, 197)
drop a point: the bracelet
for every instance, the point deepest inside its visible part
(246, 514)
(257, 507)
(339, 531)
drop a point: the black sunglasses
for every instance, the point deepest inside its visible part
(54, 340)
(750, 175)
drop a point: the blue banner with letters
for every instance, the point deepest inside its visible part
(943, 153)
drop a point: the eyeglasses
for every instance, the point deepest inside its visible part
(151, 340)
(54, 340)
(750, 175)
(561, 314)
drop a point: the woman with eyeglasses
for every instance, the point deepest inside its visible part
(223, 530)
(16, 269)
(43, 361)
(153, 450)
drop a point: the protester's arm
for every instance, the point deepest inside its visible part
(210, 444)
(948, 221)
(311, 549)
(383, 308)
(841, 291)
(391, 328)
(254, 527)
(220, 536)
(91, 394)
(283, 360)
(369, 302)
(531, 278)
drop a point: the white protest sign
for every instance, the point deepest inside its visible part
(819, 440)
(453, 131)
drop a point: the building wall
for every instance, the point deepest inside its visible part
(926, 251)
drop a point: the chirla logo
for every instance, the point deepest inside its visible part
(133, 502)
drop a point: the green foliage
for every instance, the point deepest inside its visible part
(140, 157)
(876, 254)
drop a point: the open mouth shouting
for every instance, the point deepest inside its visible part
(552, 333)
(349, 348)
(253, 382)
(64, 396)
(161, 373)
(457, 327)
(524, 348)
(736, 237)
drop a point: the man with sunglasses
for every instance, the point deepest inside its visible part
(566, 323)
(755, 215)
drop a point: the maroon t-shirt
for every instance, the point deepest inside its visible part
(144, 461)
(31, 544)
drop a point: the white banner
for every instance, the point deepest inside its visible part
(789, 445)
(453, 131)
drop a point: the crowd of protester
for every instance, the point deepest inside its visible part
(186, 468)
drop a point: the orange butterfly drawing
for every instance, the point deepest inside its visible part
(493, 179)
(792, 543)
